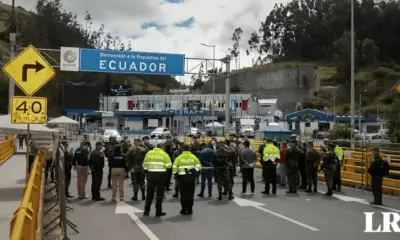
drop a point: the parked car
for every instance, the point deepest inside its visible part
(111, 132)
(160, 132)
(247, 131)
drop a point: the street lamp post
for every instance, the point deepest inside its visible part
(13, 42)
(227, 61)
(352, 69)
(213, 86)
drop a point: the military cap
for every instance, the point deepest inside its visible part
(375, 149)
(98, 143)
(145, 138)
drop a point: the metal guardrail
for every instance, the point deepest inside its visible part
(25, 219)
(7, 149)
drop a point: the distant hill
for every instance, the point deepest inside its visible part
(43, 30)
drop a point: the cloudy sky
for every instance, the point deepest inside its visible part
(174, 26)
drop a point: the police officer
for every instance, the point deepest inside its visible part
(313, 158)
(156, 163)
(96, 163)
(261, 152)
(271, 156)
(168, 147)
(109, 153)
(222, 172)
(186, 167)
(292, 166)
(67, 168)
(177, 152)
(134, 160)
(86, 142)
(329, 167)
(80, 161)
(337, 178)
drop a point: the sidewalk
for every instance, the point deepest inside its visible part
(12, 182)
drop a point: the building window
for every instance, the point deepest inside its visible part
(308, 124)
(290, 125)
(297, 125)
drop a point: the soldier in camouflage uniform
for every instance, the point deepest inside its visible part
(125, 146)
(231, 154)
(329, 167)
(220, 163)
(176, 153)
(313, 158)
(109, 153)
(292, 166)
(147, 144)
(134, 161)
(195, 149)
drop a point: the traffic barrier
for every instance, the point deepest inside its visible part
(7, 149)
(24, 223)
(355, 166)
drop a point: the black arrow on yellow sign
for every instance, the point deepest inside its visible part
(37, 66)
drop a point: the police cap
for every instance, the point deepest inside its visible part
(99, 143)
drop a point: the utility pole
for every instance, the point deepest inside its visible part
(352, 71)
(13, 43)
(227, 61)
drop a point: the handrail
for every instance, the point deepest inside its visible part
(24, 222)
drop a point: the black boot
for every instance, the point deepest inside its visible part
(134, 198)
(290, 190)
(308, 189)
(315, 189)
(143, 194)
(225, 192)
(220, 196)
(176, 195)
(231, 196)
(146, 211)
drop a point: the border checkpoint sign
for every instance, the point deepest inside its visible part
(112, 61)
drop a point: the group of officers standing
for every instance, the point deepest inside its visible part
(292, 162)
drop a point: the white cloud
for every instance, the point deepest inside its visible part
(215, 21)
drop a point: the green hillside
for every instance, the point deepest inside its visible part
(51, 27)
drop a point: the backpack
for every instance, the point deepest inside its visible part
(385, 167)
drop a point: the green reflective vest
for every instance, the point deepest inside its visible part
(271, 152)
(157, 160)
(185, 160)
(339, 152)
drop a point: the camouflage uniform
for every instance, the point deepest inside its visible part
(329, 168)
(220, 163)
(292, 168)
(109, 154)
(232, 160)
(313, 159)
(134, 161)
(177, 186)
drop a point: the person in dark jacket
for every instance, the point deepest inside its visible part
(377, 174)
(207, 170)
(118, 166)
(80, 161)
(248, 158)
(67, 168)
(96, 163)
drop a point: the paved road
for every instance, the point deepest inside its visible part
(302, 216)
(12, 181)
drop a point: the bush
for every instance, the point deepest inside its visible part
(380, 73)
(340, 131)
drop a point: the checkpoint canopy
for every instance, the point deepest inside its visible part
(63, 120)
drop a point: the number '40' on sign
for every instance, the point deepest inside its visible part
(29, 110)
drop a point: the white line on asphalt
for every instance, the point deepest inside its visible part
(287, 218)
(142, 226)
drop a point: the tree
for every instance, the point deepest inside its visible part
(235, 50)
(393, 116)
(369, 52)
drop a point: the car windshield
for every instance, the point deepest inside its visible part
(159, 130)
(111, 132)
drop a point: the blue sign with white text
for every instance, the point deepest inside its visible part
(110, 61)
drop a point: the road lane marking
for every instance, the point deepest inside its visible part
(124, 208)
(248, 203)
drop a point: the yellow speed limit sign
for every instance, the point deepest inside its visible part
(31, 110)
